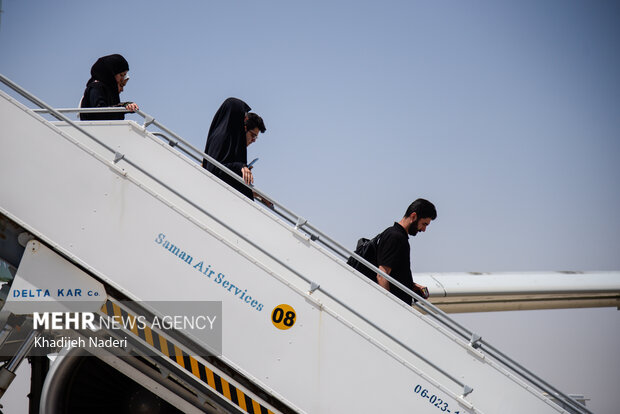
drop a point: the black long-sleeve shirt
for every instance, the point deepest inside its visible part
(394, 251)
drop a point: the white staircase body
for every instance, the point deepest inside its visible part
(143, 218)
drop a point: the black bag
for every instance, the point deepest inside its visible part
(367, 249)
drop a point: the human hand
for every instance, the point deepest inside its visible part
(263, 200)
(246, 173)
(132, 107)
(421, 290)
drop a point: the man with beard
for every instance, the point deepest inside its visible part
(393, 248)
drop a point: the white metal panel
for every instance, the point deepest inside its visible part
(46, 282)
(109, 218)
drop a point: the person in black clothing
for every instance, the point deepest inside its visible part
(232, 130)
(108, 77)
(393, 249)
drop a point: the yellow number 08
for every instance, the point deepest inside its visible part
(283, 317)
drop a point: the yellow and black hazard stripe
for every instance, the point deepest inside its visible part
(188, 362)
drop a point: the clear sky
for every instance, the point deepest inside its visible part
(505, 114)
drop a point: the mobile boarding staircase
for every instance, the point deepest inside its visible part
(128, 221)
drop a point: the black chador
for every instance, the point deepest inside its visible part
(227, 144)
(102, 88)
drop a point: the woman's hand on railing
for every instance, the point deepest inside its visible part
(131, 106)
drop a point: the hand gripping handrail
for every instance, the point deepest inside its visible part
(316, 235)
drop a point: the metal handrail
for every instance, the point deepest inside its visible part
(106, 109)
(302, 224)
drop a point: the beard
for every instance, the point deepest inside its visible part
(413, 228)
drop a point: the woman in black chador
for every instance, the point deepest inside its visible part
(232, 130)
(108, 77)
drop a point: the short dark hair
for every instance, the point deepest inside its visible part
(255, 121)
(423, 208)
